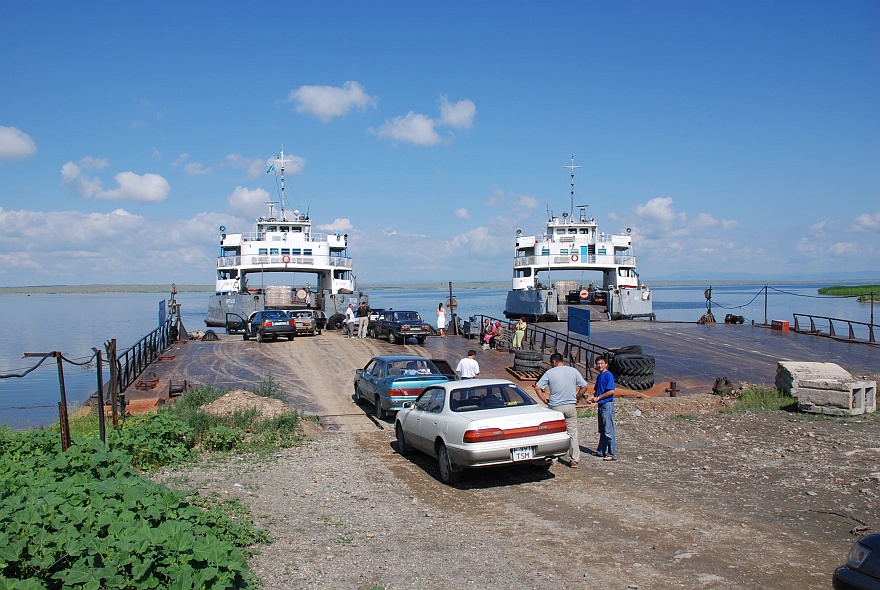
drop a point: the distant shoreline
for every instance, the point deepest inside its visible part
(166, 288)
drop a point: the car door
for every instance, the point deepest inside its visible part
(235, 324)
(376, 378)
(412, 421)
(431, 422)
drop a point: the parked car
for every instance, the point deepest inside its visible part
(389, 381)
(309, 321)
(397, 326)
(599, 298)
(862, 568)
(262, 325)
(477, 423)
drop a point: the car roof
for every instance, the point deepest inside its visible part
(400, 357)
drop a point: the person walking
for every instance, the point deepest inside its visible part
(468, 367)
(567, 387)
(441, 321)
(519, 333)
(363, 316)
(348, 326)
(604, 400)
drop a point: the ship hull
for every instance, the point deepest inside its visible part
(533, 304)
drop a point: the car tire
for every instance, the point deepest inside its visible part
(448, 473)
(392, 339)
(422, 339)
(357, 395)
(528, 355)
(260, 337)
(526, 363)
(291, 336)
(246, 336)
(402, 447)
(380, 411)
(372, 333)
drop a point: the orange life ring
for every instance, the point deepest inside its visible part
(584, 294)
(574, 258)
(285, 259)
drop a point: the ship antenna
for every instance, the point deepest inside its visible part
(571, 167)
(283, 218)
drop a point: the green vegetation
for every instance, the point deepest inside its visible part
(863, 292)
(764, 398)
(86, 518)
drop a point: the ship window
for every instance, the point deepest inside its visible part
(285, 251)
(563, 251)
(296, 251)
(307, 252)
(602, 252)
(585, 230)
(263, 252)
(271, 228)
(573, 230)
(273, 252)
(560, 230)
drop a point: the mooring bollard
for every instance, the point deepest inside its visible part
(672, 390)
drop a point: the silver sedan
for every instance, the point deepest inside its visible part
(478, 423)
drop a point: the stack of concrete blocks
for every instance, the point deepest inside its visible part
(826, 388)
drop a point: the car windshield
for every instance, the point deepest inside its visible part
(484, 397)
(274, 315)
(412, 367)
(303, 314)
(407, 316)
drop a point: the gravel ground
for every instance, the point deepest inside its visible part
(699, 497)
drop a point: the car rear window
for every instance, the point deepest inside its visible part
(407, 316)
(486, 397)
(412, 367)
(274, 315)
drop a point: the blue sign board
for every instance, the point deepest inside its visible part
(579, 321)
(162, 314)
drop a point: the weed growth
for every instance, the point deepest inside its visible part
(764, 398)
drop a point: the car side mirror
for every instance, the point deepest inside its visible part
(359, 372)
(407, 405)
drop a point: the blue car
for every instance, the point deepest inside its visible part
(389, 381)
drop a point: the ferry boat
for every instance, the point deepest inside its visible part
(280, 245)
(574, 243)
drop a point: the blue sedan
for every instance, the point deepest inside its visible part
(389, 381)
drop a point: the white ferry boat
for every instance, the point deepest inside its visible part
(574, 243)
(283, 245)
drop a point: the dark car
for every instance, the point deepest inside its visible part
(309, 321)
(397, 326)
(862, 568)
(269, 324)
(599, 298)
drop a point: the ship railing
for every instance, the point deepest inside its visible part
(573, 259)
(835, 328)
(576, 351)
(309, 236)
(334, 261)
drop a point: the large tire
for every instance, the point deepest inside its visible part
(528, 355)
(528, 365)
(246, 336)
(623, 365)
(637, 383)
(335, 321)
(260, 337)
(380, 411)
(392, 339)
(448, 474)
(402, 447)
(632, 349)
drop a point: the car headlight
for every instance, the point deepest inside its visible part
(857, 556)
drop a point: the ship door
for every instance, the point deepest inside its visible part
(585, 252)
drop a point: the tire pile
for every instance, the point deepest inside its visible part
(527, 360)
(632, 369)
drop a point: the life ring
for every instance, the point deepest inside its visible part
(285, 259)
(584, 294)
(301, 294)
(574, 258)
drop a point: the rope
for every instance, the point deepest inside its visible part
(42, 360)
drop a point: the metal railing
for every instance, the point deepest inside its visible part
(834, 327)
(130, 363)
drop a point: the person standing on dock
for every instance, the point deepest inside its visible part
(604, 398)
(468, 367)
(441, 320)
(519, 333)
(348, 326)
(363, 315)
(567, 387)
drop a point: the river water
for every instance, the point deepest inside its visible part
(74, 323)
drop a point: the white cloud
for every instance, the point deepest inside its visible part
(339, 224)
(462, 213)
(460, 115)
(413, 128)
(196, 169)
(92, 164)
(867, 222)
(250, 203)
(15, 144)
(659, 210)
(149, 188)
(327, 102)
(180, 160)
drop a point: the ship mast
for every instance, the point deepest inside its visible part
(280, 159)
(571, 167)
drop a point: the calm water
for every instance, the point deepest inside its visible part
(75, 323)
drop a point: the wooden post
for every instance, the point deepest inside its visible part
(102, 428)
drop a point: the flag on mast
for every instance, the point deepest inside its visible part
(271, 168)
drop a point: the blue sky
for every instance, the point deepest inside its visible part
(732, 137)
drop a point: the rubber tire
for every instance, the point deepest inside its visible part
(402, 447)
(528, 364)
(632, 349)
(529, 355)
(637, 383)
(260, 337)
(392, 339)
(421, 339)
(372, 333)
(623, 365)
(246, 336)
(381, 414)
(447, 475)
(357, 396)
(291, 337)
(335, 321)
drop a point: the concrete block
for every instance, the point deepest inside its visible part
(789, 374)
(838, 397)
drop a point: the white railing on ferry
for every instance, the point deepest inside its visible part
(235, 261)
(311, 236)
(562, 260)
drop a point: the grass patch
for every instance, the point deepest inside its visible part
(764, 398)
(863, 292)
(587, 413)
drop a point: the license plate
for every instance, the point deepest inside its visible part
(522, 453)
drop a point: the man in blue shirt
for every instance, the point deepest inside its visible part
(604, 398)
(567, 387)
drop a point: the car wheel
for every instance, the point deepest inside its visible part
(246, 336)
(402, 447)
(357, 395)
(392, 339)
(448, 474)
(380, 411)
(260, 337)
(291, 336)
(372, 333)
(421, 339)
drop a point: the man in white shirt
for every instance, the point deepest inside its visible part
(350, 320)
(468, 367)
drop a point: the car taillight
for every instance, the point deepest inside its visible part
(483, 435)
(551, 427)
(267, 323)
(400, 392)
(404, 328)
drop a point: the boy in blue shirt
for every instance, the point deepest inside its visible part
(604, 398)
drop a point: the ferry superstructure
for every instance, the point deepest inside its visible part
(280, 245)
(574, 243)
